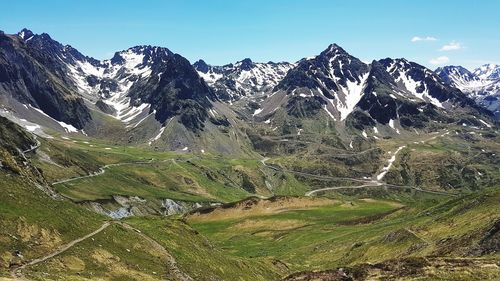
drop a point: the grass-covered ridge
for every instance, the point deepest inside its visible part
(354, 231)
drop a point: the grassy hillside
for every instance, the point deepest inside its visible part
(31, 222)
(312, 236)
(371, 232)
(462, 160)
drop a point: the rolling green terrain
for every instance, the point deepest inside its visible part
(433, 215)
(339, 233)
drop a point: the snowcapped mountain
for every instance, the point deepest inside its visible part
(134, 84)
(334, 75)
(107, 83)
(417, 82)
(44, 84)
(482, 84)
(390, 91)
(488, 72)
(143, 81)
(244, 78)
(142, 95)
(459, 77)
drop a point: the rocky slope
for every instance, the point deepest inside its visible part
(144, 88)
(33, 76)
(47, 85)
(145, 80)
(392, 92)
(244, 78)
(482, 84)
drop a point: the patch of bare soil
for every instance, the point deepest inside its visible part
(255, 206)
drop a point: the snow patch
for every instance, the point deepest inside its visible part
(364, 134)
(485, 123)
(412, 85)
(353, 93)
(140, 121)
(257, 111)
(391, 123)
(389, 163)
(32, 128)
(158, 136)
(67, 127)
(328, 112)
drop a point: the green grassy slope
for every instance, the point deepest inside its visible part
(347, 233)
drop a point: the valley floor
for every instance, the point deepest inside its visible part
(114, 212)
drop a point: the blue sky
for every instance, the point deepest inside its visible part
(455, 32)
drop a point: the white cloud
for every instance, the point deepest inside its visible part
(439, 60)
(427, 38)
(452, 46)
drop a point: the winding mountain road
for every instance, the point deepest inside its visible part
(312, 192)
(102, 170)
(319, 177)
(375, 181)
(17, 273)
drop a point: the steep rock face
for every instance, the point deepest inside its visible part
(178, 90)
(386, 100)
(411, 93)
(482, 84)
(32, 73)
(244, 78)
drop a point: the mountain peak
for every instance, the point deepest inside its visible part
(447, 67)
(201, 66)
(454, 69)
(245, 64)
(141, 54)
(490, 66)
(334, 49)
(25, 34)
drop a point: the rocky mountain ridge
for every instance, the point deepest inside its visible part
(482, 84)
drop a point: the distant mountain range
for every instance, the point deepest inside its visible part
(244, 78)
(482, 84)
(139, 91)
